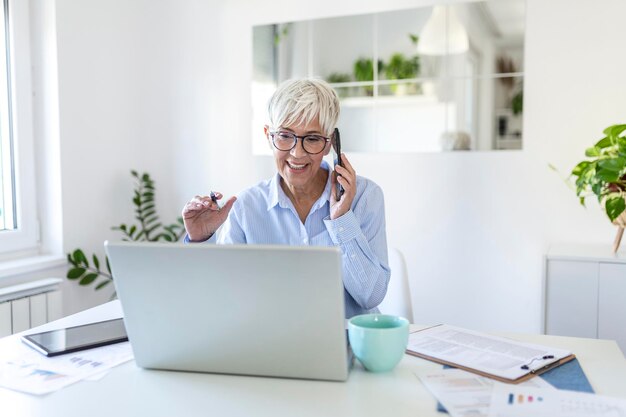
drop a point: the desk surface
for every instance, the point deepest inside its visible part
(131, 391)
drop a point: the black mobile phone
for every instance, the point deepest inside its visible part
(73, 339)
(337, 159)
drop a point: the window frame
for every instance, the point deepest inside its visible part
(24, 240)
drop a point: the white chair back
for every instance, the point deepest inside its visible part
(398, 298)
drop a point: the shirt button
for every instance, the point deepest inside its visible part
(305, 240)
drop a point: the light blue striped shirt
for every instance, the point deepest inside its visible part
(263, 214)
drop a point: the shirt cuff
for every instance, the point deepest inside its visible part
(343, 228)
(212, 239)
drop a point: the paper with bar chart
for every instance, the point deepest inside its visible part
(518, 401)
(464, 394)
(23, 369)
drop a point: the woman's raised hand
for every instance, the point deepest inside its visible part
(346, 176)
(203, 216)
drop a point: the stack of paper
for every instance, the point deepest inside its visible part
(467, 394)
(23, 369)
(496, 357)
(464, 394)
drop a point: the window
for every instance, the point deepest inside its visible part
(18, 219)
(8, 219)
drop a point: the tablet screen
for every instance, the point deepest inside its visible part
(77, 338)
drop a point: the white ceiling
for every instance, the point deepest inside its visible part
(507, 16)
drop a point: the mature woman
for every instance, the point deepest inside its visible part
(300, 205)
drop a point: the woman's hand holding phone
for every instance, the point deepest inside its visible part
(202, 215)
(346, 177)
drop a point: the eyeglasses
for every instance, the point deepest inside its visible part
(286, 141)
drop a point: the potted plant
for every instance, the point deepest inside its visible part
(604, 175)
(364, 71)
(401, 68)
(149, 229)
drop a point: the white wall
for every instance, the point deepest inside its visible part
(135, 81)
(164, 87)
(474, 227)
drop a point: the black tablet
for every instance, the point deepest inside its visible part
(73, 339)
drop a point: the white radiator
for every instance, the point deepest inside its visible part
(28, 305)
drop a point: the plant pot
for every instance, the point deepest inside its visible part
(400, 89)
(620, 222)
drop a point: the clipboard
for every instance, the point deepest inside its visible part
(531, 372)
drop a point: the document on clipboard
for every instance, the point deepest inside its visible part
(503, 359)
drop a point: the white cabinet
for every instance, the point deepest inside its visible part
(585, 293)
(612, 303)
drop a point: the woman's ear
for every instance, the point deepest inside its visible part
(266, 130)
(331, 144)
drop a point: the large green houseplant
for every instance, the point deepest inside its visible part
(603, 175)
(149, 228)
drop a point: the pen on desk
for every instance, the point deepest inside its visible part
(527, 366)
(214, 199)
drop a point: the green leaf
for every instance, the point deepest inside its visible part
(145, 177)
(613, 164)
(621, 145)
(96, 262)
(140, 235)
(578, 169)
(597, 189)
(75, 273)
(134, 173)
(593, 151)
(148, 194)
(133, 229)
(153, 228)
(149, 213)
(70, 260)
(103, 284)
(88, 279)
(137, 201)
(615, 206)
(166, 237)
(607, 176)
(151, 220)
(582, 201)
(604, 143)
(106, 258)
(79, 255)
(614, 130)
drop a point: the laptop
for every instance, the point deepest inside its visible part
(235, 309)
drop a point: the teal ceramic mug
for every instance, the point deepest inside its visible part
(378, 340)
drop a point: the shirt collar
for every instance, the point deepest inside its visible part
(278, 197)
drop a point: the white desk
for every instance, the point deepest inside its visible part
(131, 391)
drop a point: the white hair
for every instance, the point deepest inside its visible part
(301, 101)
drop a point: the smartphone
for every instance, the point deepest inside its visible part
(73, 339)
(337, 158)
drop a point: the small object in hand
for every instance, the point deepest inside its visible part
(214, 199)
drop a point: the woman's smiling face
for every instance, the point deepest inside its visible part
(298, 168)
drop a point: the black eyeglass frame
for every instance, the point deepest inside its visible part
(295, 141)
